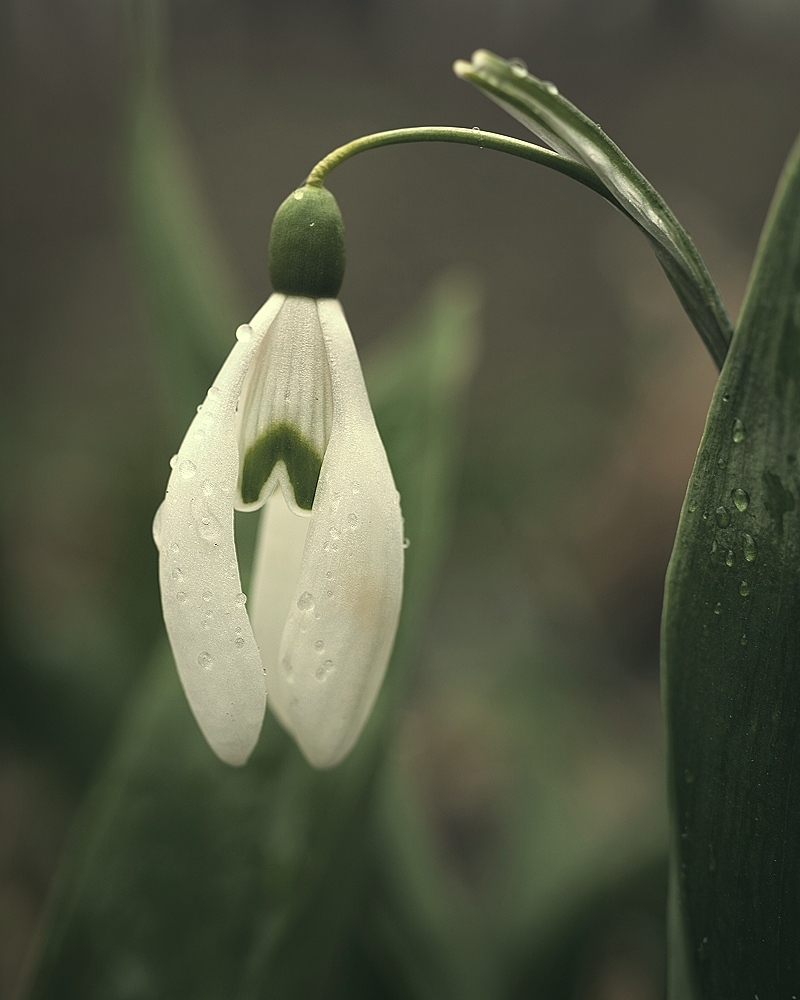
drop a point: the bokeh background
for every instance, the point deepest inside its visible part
(531, 742)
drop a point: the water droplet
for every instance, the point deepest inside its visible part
(238, 630)
(729, 558)
(174, 548)
(213, 392)
(692, 506)
(714, 547)
(157, 523)
(551, 88)
(244, 333)
(329, 575)
(406, 543)
(518, 67)
(705, 515)
(743, 640)
(207, 595)
(238, 642)
(209, 528)
(739, 432)
(718, 608)
(206, 661)
(722, 517)
(726, 397)
(329, 593)
(305, 602)
(319, 645)
(749, 548)
(320, 673)
(299, 195)
(721, 463)
(744, 588)
(741, 499)
(173, 461)
(177, 574)
(352, 520)
(476, 128)
(180, 597)
(187, 469)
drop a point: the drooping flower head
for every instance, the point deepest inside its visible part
(287, 427)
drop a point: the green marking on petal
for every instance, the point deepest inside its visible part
(282, 442)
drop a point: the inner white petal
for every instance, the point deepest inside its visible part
(288, 386)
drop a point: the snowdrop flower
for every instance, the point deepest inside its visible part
(287, 427)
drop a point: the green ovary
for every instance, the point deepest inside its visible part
(282, 443)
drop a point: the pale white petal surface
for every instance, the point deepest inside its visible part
(289, 383)
(276, 570)
(204, 607)
(345, 602)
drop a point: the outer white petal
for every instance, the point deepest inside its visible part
(346, 599)
(204, 608)
(279, 555)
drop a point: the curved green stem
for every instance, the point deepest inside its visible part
(465, 136)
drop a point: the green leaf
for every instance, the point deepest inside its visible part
(187, 878)
(731, 651)
(540, 108)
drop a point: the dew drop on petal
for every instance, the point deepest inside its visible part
(518, 67)
(739, 432)
(244, 333)
(180, 597)
(177, 574)
(159, 515)
(209, 528)
(723, 518)
(319, 645)
(717, 608)
(406, 543)
(206, 661)
(238, 642)
(173, 461)
(744, 588)
(305, 602)
(749, 548)
(187, 469)
(207, 595)
(241, 600)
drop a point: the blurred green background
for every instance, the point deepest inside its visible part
(518, 814)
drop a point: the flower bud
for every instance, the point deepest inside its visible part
(306, 246)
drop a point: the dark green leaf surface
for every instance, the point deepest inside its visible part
(731, 653)
(540, 107)
(187, 878)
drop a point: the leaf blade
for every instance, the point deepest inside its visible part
(540, 108)
(730, 648)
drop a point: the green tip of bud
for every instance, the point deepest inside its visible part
(306, 245)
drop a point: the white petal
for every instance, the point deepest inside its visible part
(288, 386)
(279, 553)
(346, 600)
(211, 637)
